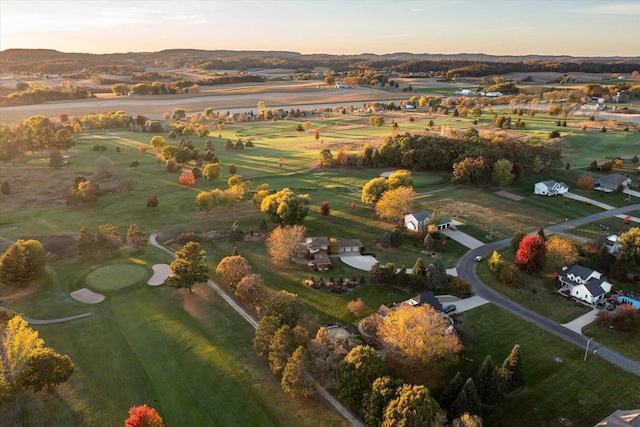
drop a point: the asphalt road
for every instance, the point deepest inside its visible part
(466, 270)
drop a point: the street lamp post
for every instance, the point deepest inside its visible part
(587, 348)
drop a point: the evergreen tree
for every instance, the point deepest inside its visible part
(294, 379)
(512, 370)
(22, 262)
(467, 401)
(189, 267)
(488, 383)
(451, 391)
(385, 241)
(517, 238)
(541, 234)
(383, 390)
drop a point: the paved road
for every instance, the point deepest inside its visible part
(341, 409)
(466, 270)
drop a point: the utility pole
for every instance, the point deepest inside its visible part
(586, 350)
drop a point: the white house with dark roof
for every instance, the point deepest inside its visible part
(584, 284)
(611, 242)
(550, 188)
(315, 244)
(418, 221)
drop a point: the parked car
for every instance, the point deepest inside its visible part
(600, 304)
(611, 306)
(478, 258)
(449, 308)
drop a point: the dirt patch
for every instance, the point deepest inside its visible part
(87, 296)
(57, 247)
(509, 195)
(9, 294)
(255, 237)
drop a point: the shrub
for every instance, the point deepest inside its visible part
(5, 188)
(171, 166)
(634, 159)
(172, 134)
(603, 129)
(461, 288)
(554, 134)
(134, 164)
(509, 274)
(187, 237)
(155, 127)
(585, 182)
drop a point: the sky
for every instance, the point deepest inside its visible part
(516, 27)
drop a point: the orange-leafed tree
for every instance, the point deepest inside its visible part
(187, 179)
(77, 128)
(143, 416)
(531, 254)
(317, 135)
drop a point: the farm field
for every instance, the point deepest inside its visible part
(196, 337)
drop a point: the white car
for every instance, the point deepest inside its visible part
(478, 258)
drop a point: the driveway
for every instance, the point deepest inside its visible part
(462, 305)
(573, 196)
(361, 262)
(462, 238)
(576, 325)
(466, 270)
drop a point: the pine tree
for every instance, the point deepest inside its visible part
(512, 370)
(451, 391)
(488, 383)
(383, 390)
(189, 267)
(467, 401)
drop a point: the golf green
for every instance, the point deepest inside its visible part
(115, 276)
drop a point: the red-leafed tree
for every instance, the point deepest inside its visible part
(531, 254)
(187, 179)
(317, 135)
(143, 416)
(325, 209)
(353, 205)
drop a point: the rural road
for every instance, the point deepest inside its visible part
(466, 270)
(341, 409)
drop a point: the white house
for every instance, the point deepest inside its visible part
(550, 188)
(418, 221)
(316, 244)
(584, 284)
(611, 242)
(349, 245)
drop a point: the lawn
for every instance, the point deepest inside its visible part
(556, 375)
(534, 293)
(626, 343)
(187, 355)
(116, 276)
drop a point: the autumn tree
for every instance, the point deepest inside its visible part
(22, 262)
(502, 173)
(357, 371)
(143, 416)
(394, 204)
(295, 381)
(285, 207)
(152, 201)
(630, 246)
(417, 335)
(136, 237)
(374, 189)
(585, 182)
(471, 170)
(284, 241)
(189, 267)
(413, 406)
(108, 239)
(266, 329)
(401, 178)
(561, 252)
(281, 348)
(251, 290)
(376, 121)
(623, 318)
(467, 420)
(157, 143)
(383, 390)
(512, 371)
(47, 368)
(495, 262)
(531, 254)
(356, 306)
(325, 209)
(231, 270)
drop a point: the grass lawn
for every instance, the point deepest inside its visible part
(555, 373)
(534, 293)
(624, 342)
(187, 355)
(116, 276)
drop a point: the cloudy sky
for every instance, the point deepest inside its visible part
(558, 27)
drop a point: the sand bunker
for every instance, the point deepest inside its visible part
(160, 273)
(87, 296)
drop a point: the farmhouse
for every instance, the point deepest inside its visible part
(612, 182)
(584, 284)
(418, 221)
(550, 188)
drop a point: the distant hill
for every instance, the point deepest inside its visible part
(48, 61)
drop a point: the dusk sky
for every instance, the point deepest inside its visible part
(552, 27)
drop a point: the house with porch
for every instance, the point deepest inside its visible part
(584, 284)
(550, 188)
(419, 221)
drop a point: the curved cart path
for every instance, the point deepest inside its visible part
(341, 409)
(52, 321)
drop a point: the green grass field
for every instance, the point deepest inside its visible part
(188, 355)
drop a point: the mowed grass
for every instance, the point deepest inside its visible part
(187, 355)
(116, 276)
(555, 373)
(626, 343)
